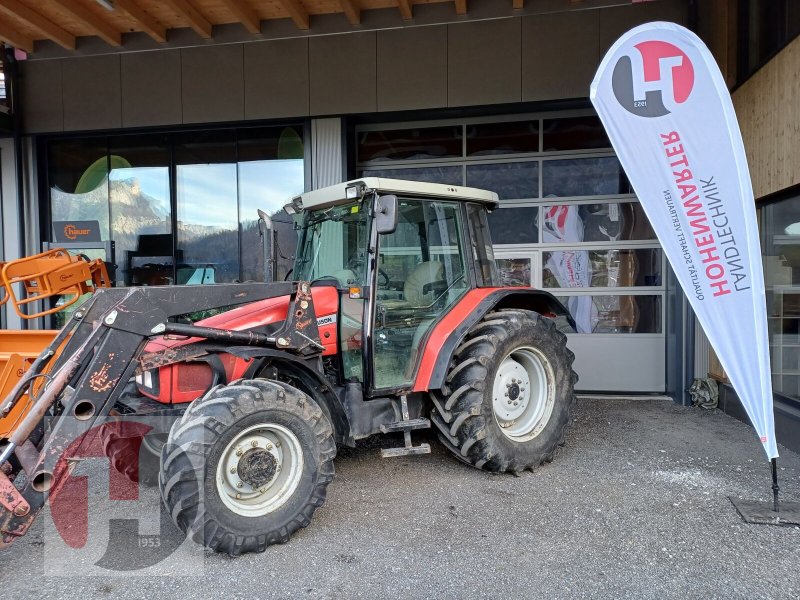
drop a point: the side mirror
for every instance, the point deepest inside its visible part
(386, 214)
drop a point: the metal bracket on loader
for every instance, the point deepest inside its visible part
(406, 425)
(97, 353)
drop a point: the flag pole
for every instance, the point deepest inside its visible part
(775, 487)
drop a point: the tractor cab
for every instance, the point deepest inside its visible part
(401, 255)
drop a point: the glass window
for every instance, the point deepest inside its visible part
(141, 215)
(421, 274)
(410, 144)
(601, 268)
(514, 180)
(208, 213)
(333, 243)
(601, 222)
(78, 179)
(780, 223)
(270, 172)
(485, 139)
(615, 314)
(574, 133)
(515, 272)
(583, 177)
(446, 175)
(122, 185)
(515, 225)
(764, 29)
(482, 251)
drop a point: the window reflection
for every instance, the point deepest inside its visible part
(123, 183)
(406, 144)
(78, 176)
(615, 314)
(516, 180)
(780, 223)
(447, 175)
(515, 272)
(515, 225)
(141, 216)
(584, 177)
(602, 268)
(601, 222)
(270, 172)
(574, 133)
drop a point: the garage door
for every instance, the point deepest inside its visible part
(568, 223)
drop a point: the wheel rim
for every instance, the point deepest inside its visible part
(259, 470)
(523, 394)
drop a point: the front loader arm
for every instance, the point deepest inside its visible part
(102, 345)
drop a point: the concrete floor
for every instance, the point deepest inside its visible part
(635, 506)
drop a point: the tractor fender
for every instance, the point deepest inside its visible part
(451, 329)
(307, 373)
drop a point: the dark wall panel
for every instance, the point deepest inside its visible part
(276, 79)
(41, 96)
(343, 73)
(213, 83)
(92, 92)
(484, 62)
(412, 68)
(619, 19)
(559, 55)
(151, 88)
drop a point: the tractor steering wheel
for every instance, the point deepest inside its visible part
(356, 263)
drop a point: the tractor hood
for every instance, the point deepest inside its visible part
(264, 313)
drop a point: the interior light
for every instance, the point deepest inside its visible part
(107, 4)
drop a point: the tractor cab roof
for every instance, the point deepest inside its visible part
(338, 194)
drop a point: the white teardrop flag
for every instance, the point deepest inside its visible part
(668, 113)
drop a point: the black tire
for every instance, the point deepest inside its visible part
(463, 412)
(196, 445)
(136, 456)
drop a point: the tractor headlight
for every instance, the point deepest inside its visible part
(148, 381)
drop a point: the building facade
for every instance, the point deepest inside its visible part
(168, 147)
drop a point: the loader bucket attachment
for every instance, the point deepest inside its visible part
(50, 274)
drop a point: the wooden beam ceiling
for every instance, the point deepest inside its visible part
(148, 24)
(351, 10)
(100, 27)
(196, 21)
(24, 13)
(297, 12)
(244, 14)
(406, 9)
(11, 35)
(62, 21)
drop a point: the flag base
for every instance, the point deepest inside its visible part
(761, 513)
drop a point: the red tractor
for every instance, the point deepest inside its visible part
(395, 320)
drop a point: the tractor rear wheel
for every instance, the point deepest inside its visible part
(508, 395)
(259, 456)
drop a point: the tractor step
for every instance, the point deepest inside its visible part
(421, 423)
(406, 425)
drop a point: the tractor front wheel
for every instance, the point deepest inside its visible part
(508, 395)
(261, 453)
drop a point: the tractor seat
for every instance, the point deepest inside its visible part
(414, 292)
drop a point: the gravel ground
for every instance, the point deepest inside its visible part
(635, 506)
